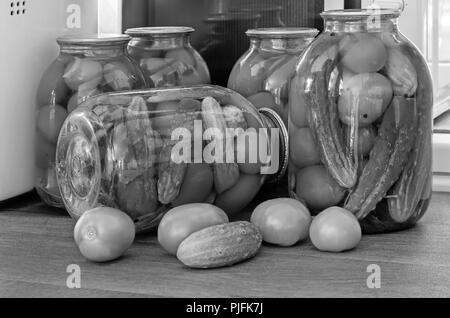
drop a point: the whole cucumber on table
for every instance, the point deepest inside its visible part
(220, 245)
(388, 158)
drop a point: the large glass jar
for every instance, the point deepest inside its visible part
(264, 72)
(166, 56)
(146, 151)
(86, 66)
(361, 122)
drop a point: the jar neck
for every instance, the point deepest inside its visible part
(370, 24)
(94, 50)
(288, 45)
(166, 42)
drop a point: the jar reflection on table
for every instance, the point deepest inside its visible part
(360, 122)
(166, 56)
(119, 150)
(263, 74)
(85, 67)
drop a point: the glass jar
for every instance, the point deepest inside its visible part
(86, 66)
(226, 42)
(264, 72)
(166, 56)
(360, 122)
(144, 152)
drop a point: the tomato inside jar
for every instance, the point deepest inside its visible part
(87, 66)
(360, 122)
(166, 56)
(149, 151)
(263, 73)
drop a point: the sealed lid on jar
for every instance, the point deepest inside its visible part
(93, 39)
(282, 33)
(166, 31)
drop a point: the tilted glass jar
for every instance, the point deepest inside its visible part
(146, 151)
(86, 66)
(264, 72)
(361, 122)
(166, 56)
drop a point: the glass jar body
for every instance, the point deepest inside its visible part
(360, 123)
(80, 71)
(147, 151)
(264, 72)
(167, 60)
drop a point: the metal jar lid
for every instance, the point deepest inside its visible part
(159, 31)
(93, 39)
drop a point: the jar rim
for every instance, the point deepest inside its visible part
(284, 32)
(94, 39)
(159, 31)
(355, 14)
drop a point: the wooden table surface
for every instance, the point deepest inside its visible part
(36, 247)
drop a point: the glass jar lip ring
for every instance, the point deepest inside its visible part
(355, 14)
(94, 39)
(159, 31)
(284, 32)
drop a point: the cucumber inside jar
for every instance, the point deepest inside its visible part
(369, 113)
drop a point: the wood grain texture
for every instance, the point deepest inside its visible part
(36, 246)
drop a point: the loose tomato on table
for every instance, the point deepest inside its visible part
(104, 234)
(182, 221)
(283, 222)
(335, 230)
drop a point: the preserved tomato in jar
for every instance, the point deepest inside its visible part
(360, 122)
(264, 72)
(166, 56)
(145, 152)
(85, 67)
